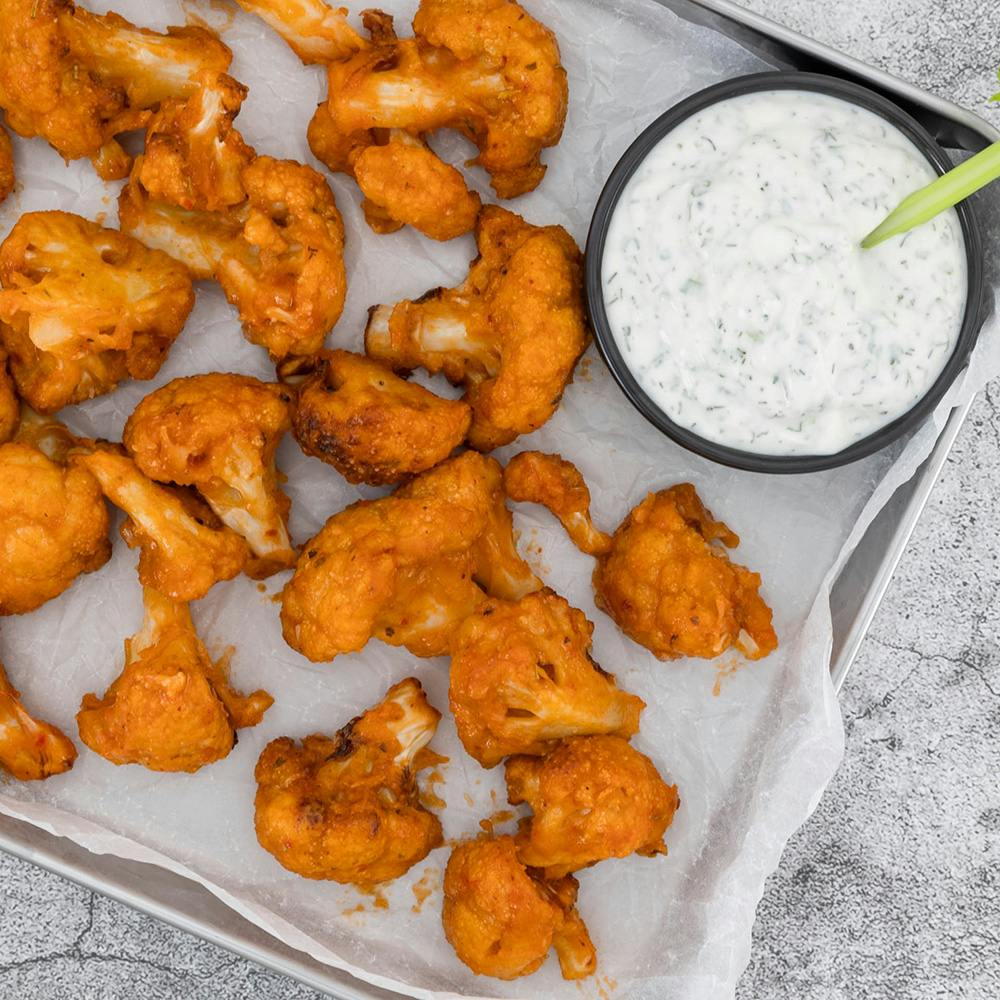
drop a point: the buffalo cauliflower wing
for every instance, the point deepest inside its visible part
(534, 477)
(348, 808)
(502, 919)
(79, 79)
(407, 568)
(593, 797)
(219, 433)
(522, 679)
(83, 307)
(171, 708)
(668, 583)
(483, 67)
(10, 408)
(315, 31)
(370, 425)
(6, 165)
(194, 157)
(184, 549)
(511, 334)
(278, 254)
(30, 750)
(53, 523)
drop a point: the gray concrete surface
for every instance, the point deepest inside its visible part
(892, 890)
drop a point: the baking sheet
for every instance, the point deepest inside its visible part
(750, 762)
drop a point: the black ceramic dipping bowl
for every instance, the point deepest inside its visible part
(637, 153)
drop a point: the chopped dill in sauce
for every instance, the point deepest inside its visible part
(737, 291)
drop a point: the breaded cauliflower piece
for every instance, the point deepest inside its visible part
(7, 178)
(549, 480)
(30, 750)
(10, 408)
(219, 433)
(83, 307)
(184, 549)
(171, 708)
(315, 31)
(53, 523)
(593, 797)
(511, 333)
(502, 919)
(194, 157)
(483, 67)
(407, 568)
(278, 255)
(370, 425)
(348, 809)
(669, 585)
(286, 276)
(79, 79)
(522, 678)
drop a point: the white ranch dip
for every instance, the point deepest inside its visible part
(737, 291)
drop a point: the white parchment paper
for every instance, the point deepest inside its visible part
(751, 761)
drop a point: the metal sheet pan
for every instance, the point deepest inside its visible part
(854, 601)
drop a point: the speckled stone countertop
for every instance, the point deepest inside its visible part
(892, 889)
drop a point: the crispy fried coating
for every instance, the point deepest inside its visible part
(6, 165)
(483, 67)
(315, 31)
(511, 333)
(184, 549)
(549, 480)
(286, 276)
(53, 526)
(10, 409)
(194, 157)
(83, 307)
(522, 679)
(502, 919)
(593, 797)
(668, 583)
(278, 255)
(407, 568)
(219, 433)
(30, 750)
(369, 424)
(171, 708)
(79, 79)
(348, 808)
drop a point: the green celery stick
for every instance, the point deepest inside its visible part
(948, 190)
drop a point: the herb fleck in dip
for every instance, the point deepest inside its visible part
(737, 291)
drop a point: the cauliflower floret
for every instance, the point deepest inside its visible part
(593, 797)
(219, 433)
(534, 477)
(483, 67)
(194, 157)
(6, 165)
(315, 31)
(10, 409)
(668, 583)
(83, 307)
(184, 549)
(79, 79)
(348, 808)
(30, 750)
(171, 708)
(403, 568)
(370, 425)
(522, 679)
(501, 919)
(53, 520)
(287, 275)
(511, 333)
